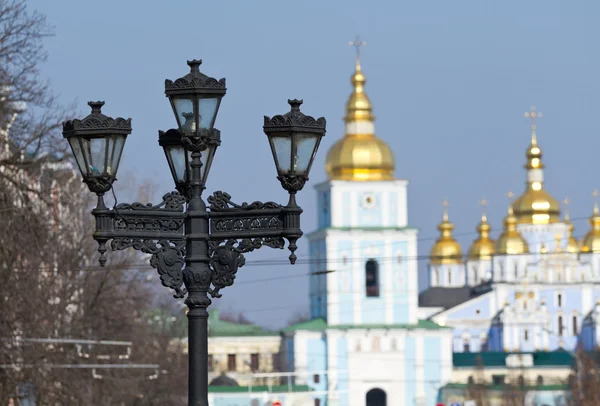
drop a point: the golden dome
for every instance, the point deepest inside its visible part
(446, 249)
(482, 247)
(591, 241)
(572, 244)
(535, 205)
(511, 242)
(360, 155)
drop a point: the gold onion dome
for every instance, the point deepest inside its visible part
(591, 241)
(359, 155)
(511, 242)
(446, 249)
(572, 244)
(482, 247)
(535, 205)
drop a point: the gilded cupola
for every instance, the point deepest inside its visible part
(446, 249)
(572, 244)
(535, 205)
(483, 246)
(591, 241)
(359, 155)
(511, 242)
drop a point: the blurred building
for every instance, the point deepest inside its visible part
(366, 342)
(240, 350)
(534, 288)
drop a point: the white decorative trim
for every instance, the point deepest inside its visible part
(360, 127)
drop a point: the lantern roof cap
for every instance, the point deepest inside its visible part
(97, 123)
(294, 120)
(195, 82)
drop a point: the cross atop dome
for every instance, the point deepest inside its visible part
(357, 43)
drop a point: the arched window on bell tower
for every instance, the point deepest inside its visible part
(372, 278)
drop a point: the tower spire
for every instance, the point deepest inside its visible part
(483, 203)
(445, 210)
(357, 43)
(358, 107)
(595, 194)
(533, 115)
(572, 244)
(546, 209)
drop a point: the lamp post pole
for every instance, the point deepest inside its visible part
(196, 249)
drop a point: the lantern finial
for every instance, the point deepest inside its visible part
(96, 106)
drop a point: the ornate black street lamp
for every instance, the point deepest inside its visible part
(197, 251)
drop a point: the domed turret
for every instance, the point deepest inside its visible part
(446, 249)
(511, 242)
(572, 244)
(482, 247)
(591, 241)
(360, 155)
(535, 205)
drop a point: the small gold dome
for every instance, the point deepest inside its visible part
(511, 242)
(572, 244)
(360, 155)
(482, 247)
(535, 205)
(446, 249)
(591, 241)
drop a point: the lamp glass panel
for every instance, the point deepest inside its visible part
(177, 162)
(78, 153)
(184, 109)
(98, 156)
(207, 111)
(207, 158)
(305, 148)
(282, 149)
(117, 142)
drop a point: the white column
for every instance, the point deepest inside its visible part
(419, 366)
(357, 267)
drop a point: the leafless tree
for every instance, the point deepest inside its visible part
(37, 130)
(50, 285)
(584, 380)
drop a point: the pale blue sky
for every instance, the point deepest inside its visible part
(449, 80)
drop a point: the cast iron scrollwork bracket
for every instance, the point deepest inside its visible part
(227, 256)
(152, 229)
(236, 229)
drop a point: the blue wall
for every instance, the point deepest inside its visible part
(345, 302)
(400, 282)
(317, 362)
(432, 362)
(372, 216)
(342, 362)
(372, 307)
(393, 199)
(324, 209)
(409, 371)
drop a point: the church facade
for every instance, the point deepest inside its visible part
(520, 303)
(533, 289)
(365, 343)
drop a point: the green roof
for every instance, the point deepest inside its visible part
(503, 387)
(498, 359)
(321, 325)
(222, 328)
(310, 325)
(276, 388)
